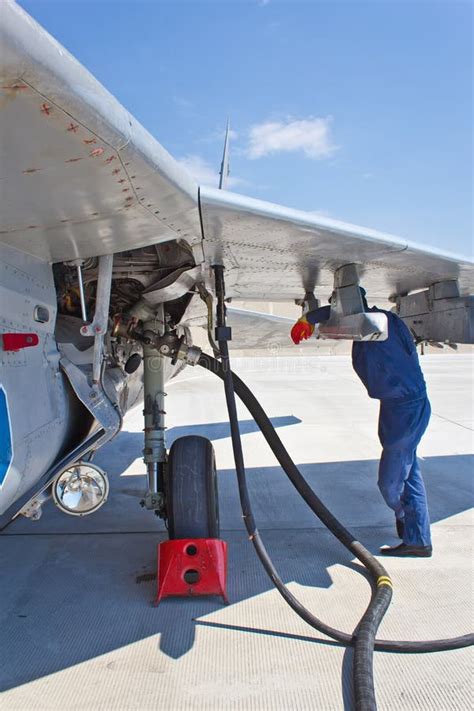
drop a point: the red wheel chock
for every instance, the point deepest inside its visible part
(192, 566)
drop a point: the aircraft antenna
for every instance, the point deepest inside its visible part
(224, 171)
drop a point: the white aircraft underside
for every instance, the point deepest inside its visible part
(80, 179)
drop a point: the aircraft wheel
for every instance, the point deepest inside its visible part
(192, 501)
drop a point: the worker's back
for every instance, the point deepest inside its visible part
(389, 369)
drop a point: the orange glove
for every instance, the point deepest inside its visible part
(301, 330)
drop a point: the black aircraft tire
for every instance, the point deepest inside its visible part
(192, 501)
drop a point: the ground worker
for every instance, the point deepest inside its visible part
(391, 372)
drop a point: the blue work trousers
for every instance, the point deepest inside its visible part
(401, 427)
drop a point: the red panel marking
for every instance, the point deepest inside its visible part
(110, 159)
(73, 160)
(15, 87)
(88, 141)
(74, 127)
(18, 341)
(122, 180)
(126, 190)
(96, 152)
(116, 171)
(30, 170)
(46, 110)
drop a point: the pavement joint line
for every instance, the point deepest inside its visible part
(227, 530)
(458, 424)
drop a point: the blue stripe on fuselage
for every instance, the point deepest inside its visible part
(6, 449)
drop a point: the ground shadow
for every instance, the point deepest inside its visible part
(77, 596)
(128, 446)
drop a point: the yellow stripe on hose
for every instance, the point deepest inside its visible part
(384, 580)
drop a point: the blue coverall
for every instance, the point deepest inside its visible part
(391, 372)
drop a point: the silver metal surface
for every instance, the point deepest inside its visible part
(81, 490)
(257, 330)
(80, 176)
(276, 253)
(439, 314)
(347, 318)
(42, 413)
(154, 378)
(355, 327)
(225, 168)
(34, 508)
(173, 286)
(98, 327)
(92, 397)
(81, 293)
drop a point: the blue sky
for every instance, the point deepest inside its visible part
(360, 110)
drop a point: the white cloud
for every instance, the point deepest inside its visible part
(204, 173)
(311, 135)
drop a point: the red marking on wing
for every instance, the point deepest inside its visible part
(30, 170)
(116, 171)
(88, 141)
(96, 152)
(122, 180)
(15, 87)
(73, 127)
(73, 160)
(46, 109)
(126, 190)
(110, 159)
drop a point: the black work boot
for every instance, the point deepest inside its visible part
(400, 524)
(406, 550)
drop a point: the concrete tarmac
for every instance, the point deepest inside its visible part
(78, 628)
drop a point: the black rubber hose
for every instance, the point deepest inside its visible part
(364, 639)
(317, 506)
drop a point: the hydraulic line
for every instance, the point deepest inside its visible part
(363, 639)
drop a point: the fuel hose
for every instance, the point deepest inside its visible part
(364, 638)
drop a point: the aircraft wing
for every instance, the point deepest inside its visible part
(257, 330)
(79, 176)
(275, 253)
